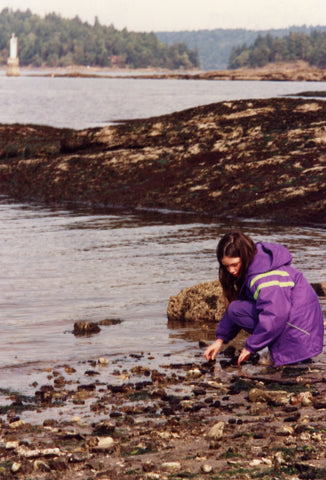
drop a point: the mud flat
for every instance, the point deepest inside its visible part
(248, 158)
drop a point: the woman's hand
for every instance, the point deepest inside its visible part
(211, 351)
(244, 355)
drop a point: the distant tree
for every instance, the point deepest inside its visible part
(293, 47)
(54, 41)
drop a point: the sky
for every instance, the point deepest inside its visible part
(178, 15)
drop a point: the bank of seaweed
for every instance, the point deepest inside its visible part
(248, 158)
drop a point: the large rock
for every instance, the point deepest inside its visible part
(200, 303)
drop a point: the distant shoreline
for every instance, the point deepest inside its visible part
(296, 72)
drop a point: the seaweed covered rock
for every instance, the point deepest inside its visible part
(201, 303)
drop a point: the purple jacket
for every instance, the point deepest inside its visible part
(290, 320)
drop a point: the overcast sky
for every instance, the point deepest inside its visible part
(169, 15)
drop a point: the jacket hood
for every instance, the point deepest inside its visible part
(269, 256)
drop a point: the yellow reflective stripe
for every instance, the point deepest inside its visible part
(267, 274)
(298, 328)
(271, 284)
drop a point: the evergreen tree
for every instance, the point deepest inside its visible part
(54, 41)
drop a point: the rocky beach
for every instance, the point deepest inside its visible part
(192, 420)
(137, 417)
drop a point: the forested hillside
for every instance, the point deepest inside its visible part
(215, 46)
(54, 41)
(295, 46)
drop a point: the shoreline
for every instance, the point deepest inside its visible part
(296, 71)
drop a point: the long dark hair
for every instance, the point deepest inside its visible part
(234, 244)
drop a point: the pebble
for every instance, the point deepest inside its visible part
(15, 467)
(305, 398)
(76, 419)
(206, 468)
(104, 443)
(152, 476)
(195, 372)
(12, 445)
(171, 466)
(216, 432)
(286, 430)
(103, 361)
(17, 424)
(41, 466)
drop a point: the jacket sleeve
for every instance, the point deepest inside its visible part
(226, 330)
(273, 302)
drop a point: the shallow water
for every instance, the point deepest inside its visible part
(59, 266)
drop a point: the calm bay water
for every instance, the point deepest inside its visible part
(91, 102)
(59, 266)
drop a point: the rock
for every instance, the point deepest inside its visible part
(45, 394)
(152, 476)
(17, 424)
(30, 453)
(109, 321)
(320, 288)
(15, 467)
(286, 430)
(12, 445)
(272, 397)
(85, 328)
(206, 468)
(303, 398)
(216, 432)
(104, 443)
(75, 419)
(69, 369)
(103, 361)
(194, 372)
(59, 381)
(200, 303)
(41, 466)
(172, 467)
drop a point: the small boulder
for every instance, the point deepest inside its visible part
(85, 328)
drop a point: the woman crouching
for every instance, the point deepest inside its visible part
(269, 299)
